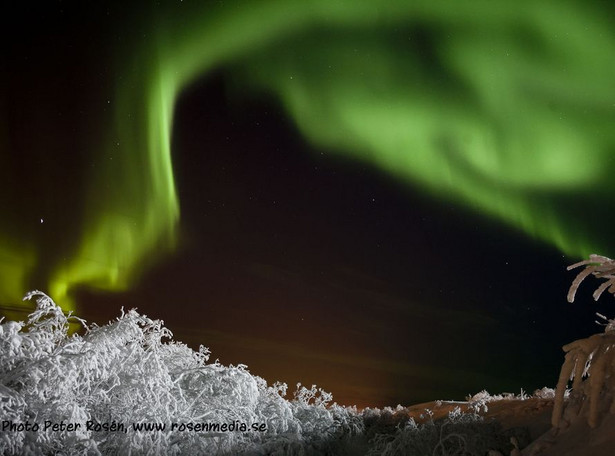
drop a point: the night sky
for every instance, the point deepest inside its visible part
(345, 203)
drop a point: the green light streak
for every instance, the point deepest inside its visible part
(506, 107)
(134, 209)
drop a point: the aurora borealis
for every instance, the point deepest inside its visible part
(502, 111)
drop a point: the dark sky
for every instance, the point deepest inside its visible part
(304, 265)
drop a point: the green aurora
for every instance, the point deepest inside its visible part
(504, 107)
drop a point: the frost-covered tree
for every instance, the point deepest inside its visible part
(589, 363)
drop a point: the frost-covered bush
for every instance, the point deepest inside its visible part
(458, 434)
(129, 373)
(545, 393)
(479, 401)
